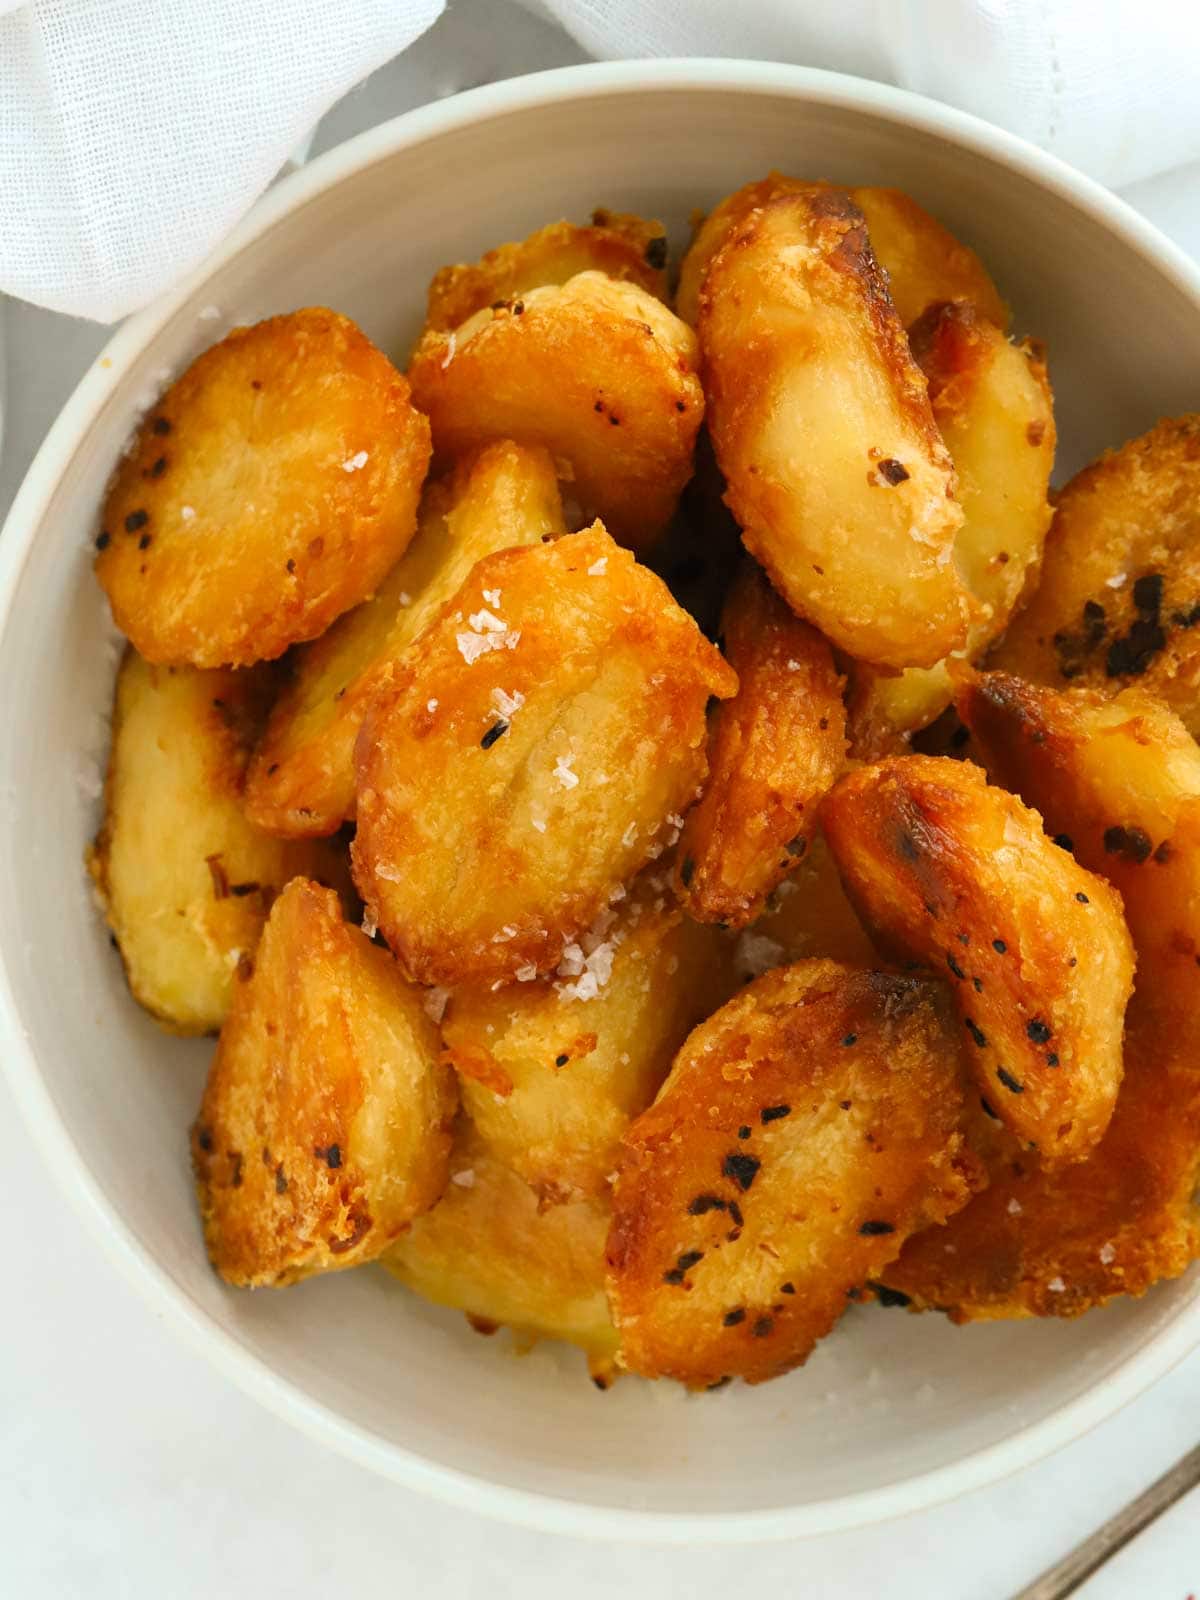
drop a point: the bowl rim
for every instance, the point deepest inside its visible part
(1162, 1347)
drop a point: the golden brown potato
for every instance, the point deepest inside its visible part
(599, 372)
(552, 1071)
(805, 1131)
(185, 879)
(325, 1124)
(774, 750)
(267, 492)
(621, 246)
(950, 870)
(525, 757)
(821, 423)
(992, 403)
(1055, 1244)
(488, 1248)
(924, 263)
(301, 780)
(1120, 779)
(1119, 597)
(808, 915)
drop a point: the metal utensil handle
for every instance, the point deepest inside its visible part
(1069, 1574)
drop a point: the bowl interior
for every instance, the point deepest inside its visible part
(888, 1397)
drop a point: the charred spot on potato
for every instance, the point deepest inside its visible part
(349, 1031)
(225, 600)
(741, 1168)
(1133, 843)
(783, 1032)
(989, 857)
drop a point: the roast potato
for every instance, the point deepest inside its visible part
(268, 491)
(805, 1131)
(621, 246)
(186, 881)
(924, 264)
(992, 403)
(1120, 780)
(1057, 1243)
(945, 868)
(552, 1071)
(301, 780)
(489, 1249)
(599, 372)
(325, 1123)
(1119, 598)
(774, 750)
(526, 755)
(821, 423)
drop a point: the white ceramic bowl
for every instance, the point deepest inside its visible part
(893, 1412)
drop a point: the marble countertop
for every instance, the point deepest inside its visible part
(131, 1469)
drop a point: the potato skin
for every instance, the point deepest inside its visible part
(598, 372)
(325, 1123)
(1044, 1243)
(945, 868)
(186, 881)
(624, 247)
(994, 408)
(552, 1073)
(301, 780)
(924, 263)
(505, 792)
(269, 490)
(821, 423)
(1117, 602)
(805, 1131)
(774, 750)
(489, 1249)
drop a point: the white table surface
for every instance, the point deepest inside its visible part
(128, 1468)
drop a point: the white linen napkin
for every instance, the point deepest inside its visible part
(134, 133)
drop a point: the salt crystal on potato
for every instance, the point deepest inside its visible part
(552, 1070)
(301, 780)
(487, 841)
